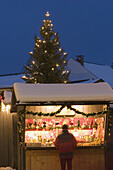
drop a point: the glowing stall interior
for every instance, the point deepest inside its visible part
(41, 131)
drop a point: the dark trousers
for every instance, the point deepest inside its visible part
(63, 164)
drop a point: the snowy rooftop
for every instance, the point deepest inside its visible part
(104, 72)
(78, 72)
(27, 93)
(7, 81)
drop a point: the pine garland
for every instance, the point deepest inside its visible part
(24, 112)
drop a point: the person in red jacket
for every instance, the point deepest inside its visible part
(65, 143)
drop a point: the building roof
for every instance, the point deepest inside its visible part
(7, 81)
(29, 93)
(78, 72)
(103, 72)
(88, 73)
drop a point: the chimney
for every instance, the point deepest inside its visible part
(80, 59)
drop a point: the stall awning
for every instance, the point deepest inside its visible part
(29, 93)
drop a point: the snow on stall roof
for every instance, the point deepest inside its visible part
(26, 93)
(7, 96)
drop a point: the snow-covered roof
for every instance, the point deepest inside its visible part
(7, 81)
(104, 72)
(7, 96)
(28, 93)
(78, 72)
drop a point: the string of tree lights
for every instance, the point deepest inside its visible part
(48, 62)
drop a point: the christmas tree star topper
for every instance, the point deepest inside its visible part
(47, 14)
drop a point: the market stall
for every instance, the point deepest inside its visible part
(44, 108)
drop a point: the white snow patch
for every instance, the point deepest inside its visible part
(63, 92)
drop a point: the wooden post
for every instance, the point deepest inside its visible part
(109, 142)
(14, 136)
(21, 141)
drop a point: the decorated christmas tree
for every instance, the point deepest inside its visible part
(48, 63)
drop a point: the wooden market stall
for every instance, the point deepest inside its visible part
(42, 109)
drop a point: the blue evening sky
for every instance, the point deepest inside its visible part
(85, 27)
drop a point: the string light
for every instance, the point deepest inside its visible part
(37, 45)
(47, 14)
(63, 72)
(42, 28)
(65, 81)
(33, 62)
(46, 33)
(57, 65)
(45, 51)
(60, 49)
(31, 53)
(52, 69)
(44, 41)
(39, 40)
(64, 61)
(65, 53)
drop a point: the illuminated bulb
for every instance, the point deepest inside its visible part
(64, 61)
(37, 45)
(44, 41)
(31, 53)
(60, 49)
(47, 14)
(23, 76)
(57, 65)
(51, 25)
(42, 28)
(46, 33)
(52, 69)
(33, 62)
(45, 51)
(39, 40)
(67, 71)
(65, 53)
(65, 81)
(63, 72)
(43, 20)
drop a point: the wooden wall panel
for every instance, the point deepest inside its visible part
(1, 139)
(5, 139)
(84, 159)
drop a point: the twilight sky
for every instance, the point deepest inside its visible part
(85, 27)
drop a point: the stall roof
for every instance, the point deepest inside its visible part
(29, 93)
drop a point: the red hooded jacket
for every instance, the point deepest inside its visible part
(65, 143)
